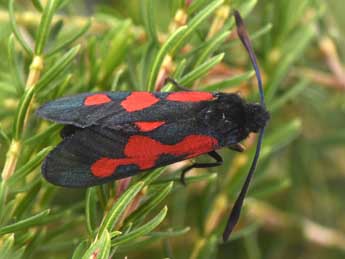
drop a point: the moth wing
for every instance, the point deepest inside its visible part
(69, 164)
(97, 155)
(113, 109)
(78, 111)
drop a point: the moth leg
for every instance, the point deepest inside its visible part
(213, 154)
(176, 84)
(237, 147)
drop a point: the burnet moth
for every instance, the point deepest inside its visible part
(113, 135)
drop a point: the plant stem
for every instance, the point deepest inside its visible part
(35, 71)
(15, 147)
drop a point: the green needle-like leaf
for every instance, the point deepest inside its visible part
(201, 70)
(57, 68)
(15, 29)
(142, 230)
(289, 95)
(70, 40)
(164, 50)
(170, 233)
(119, 207)
(44, 27)
(100, 249)
(50, 131)
(228, 83)
(282, 136)
(195, 22)
(32, 221)
(4, 136)
(211, 47)
(152, 203)
(22, 113)
(38, 5)
(19, 85)
(299, 40)
(29, 166)
(90, 210)
(80, 250)
(149, 16)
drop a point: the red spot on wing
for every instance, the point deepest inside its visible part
(138, 101)
(190, 96)
(144, 152)
(96, 99)
(145, 126)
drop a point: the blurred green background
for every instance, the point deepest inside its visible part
(295, 207)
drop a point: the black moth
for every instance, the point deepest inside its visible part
(113, 135)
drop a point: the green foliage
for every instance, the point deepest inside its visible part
(52, 49)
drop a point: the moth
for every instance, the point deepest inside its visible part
(113, 135)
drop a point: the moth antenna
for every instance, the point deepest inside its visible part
(236, 210)
(242, 33)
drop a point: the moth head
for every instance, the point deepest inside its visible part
(256, 117)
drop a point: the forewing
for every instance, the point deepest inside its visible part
(82, 110)
(115, 109)
(96, 155)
